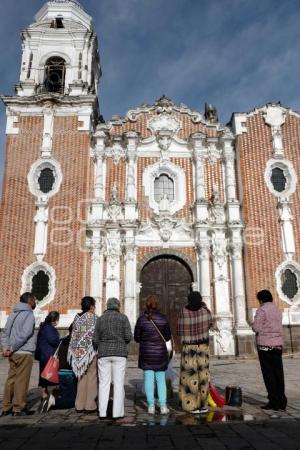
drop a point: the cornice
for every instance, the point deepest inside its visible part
(163, 105)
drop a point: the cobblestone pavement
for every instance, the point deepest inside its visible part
(231, 428)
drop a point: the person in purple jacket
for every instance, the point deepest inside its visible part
(47, 343)
(268, 328)
(153, 355)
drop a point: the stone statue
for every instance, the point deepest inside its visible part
(211, 113)
(164, 204)
(114, 194)
(215, 197)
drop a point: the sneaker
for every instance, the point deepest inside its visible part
(203, 410)
(164, 410)
(50, 403)
(151, 410)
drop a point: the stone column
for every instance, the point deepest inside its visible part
(223, 339)
(98, 153)
(113, 253)
(203, 250)
(41, 228)
(96, 286)
(198, 143)
(130, 307)
(131, 199)
(229, 158)
(238, 287)
(132, 141)
(47, 132)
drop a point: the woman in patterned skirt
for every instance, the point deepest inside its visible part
(194, 323)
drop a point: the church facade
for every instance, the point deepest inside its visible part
(160, 201)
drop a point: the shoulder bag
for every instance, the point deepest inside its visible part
(169, 344)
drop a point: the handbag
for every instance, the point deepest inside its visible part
(169, 343)
(50, 372)
(233, 396)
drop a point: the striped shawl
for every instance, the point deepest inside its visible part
(193, 326)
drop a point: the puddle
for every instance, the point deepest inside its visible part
(190, 419)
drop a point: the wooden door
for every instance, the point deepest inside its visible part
(169, 279)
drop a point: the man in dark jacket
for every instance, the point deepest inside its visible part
(19, 344)
(112, 334)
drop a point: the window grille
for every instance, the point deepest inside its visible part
(278, 179)
(163, 185)
(55, 74)
(40, 285)
(46, 180)
(289, 284)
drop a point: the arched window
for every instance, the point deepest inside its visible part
(289, 283)
(278, 179)
(163, 185)
(55, 70)
(46, 180)
(40, 285)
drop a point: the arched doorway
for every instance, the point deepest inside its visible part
(170, 279)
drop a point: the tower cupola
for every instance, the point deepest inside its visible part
(60, 52)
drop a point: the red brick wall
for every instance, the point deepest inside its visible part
(145, 212)
(259, 209)
(291, 143)
(213, 175)
(140, 125)
(71, 149)
(18, 208)
(115, 174)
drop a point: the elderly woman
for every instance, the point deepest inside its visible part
(82, 356)
(194, 323)
(112, 334)
(47, 343)
(152, 330)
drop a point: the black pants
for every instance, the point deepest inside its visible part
(272, 371)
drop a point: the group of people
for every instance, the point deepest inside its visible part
(93, 356)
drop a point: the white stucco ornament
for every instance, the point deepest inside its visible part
(164, 122)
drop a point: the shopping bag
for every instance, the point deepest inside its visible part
(50, 372)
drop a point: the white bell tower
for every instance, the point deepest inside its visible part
(60, 52)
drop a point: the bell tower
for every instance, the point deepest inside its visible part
(48, 166)
(60, 52)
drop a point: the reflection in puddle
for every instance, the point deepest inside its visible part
(213, 417)
(190, 419)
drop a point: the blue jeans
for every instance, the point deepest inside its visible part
(149, 378)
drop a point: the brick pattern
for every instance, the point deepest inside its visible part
(142, 252)
(213, 175)
(71, 149)
(115, 174)
(145, 212)
(18, 209)
(141, 126)
(291, 142)
(187, 165)
(259, 209)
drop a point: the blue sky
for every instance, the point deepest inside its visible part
(236, 54)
